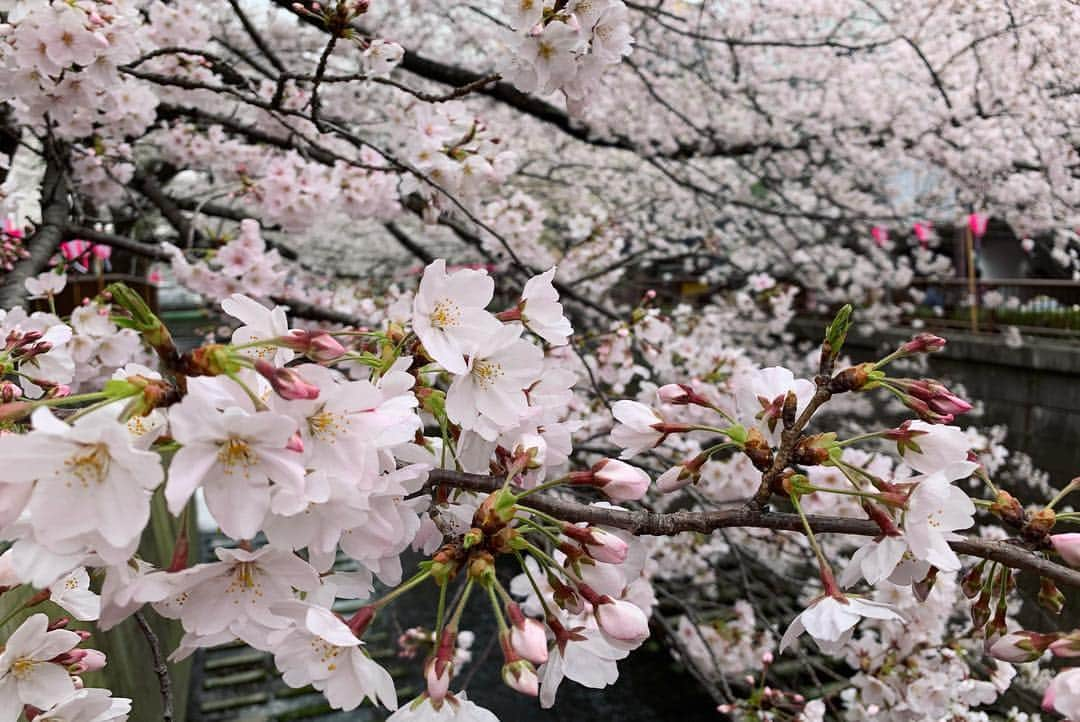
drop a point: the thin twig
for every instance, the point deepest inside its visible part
(161, 668)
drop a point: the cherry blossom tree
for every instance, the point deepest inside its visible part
(435, 233)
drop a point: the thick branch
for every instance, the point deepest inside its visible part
(122, 242)
(55, 206)
(648, 523)
(409, 244)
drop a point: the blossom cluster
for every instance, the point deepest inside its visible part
(323, 458)
(565, 46)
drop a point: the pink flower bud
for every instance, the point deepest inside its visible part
(317, 345)
(1019, 647)
(1067, 646)
(677, 394)
(296, 443)
(949, 404)
(600, 545)
(520, 676)
(622, 621)
(1068, 546)
(675, 478)
(93, 660)
(620, 481)
(530, 640)
(924, 343)
(9, 392)
(437, 685)
(287, 382)
(922, 232)
(607, 547)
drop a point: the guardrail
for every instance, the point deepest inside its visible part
(1049, 306)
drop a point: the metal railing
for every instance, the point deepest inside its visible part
(1043, 305)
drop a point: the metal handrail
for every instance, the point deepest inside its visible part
(1025, 282)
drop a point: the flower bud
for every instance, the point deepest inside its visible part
(620, 481)
(758, 449)
(1020, 647)
(438, 685)
(318, 346)
(93, 661)
(851, 379)
(600, 545)
(1050, 597)
(980, 610)
(482, 567)
(15, 410)
(972, 581)
(922, 588)
(621, 620)
(287, 382)
(361, 620)
(1068, 546)
(529, 639)
(923, 343)
(520, 676)
(1067, 646)
(676, 478)
(675, 394)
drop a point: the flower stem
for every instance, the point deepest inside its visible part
(862, 437)
(440, 613)
(395, 593)
(499, 619)
(540, 529)
(1069, 488)
(545, 486)
(532, 581)
(827, 576)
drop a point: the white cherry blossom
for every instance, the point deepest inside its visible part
(541, 311)
(489, 396)
(27, 674)
(830, 621)
(449, 316)
(234, 454)
(91, 487)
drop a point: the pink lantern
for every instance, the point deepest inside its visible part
(74, 249)
(922, 232)
(881, 236)
(977, 223)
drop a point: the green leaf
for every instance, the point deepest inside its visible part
(836, 333)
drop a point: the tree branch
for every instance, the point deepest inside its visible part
(55, 206)
(648, 523)
(161, 669)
